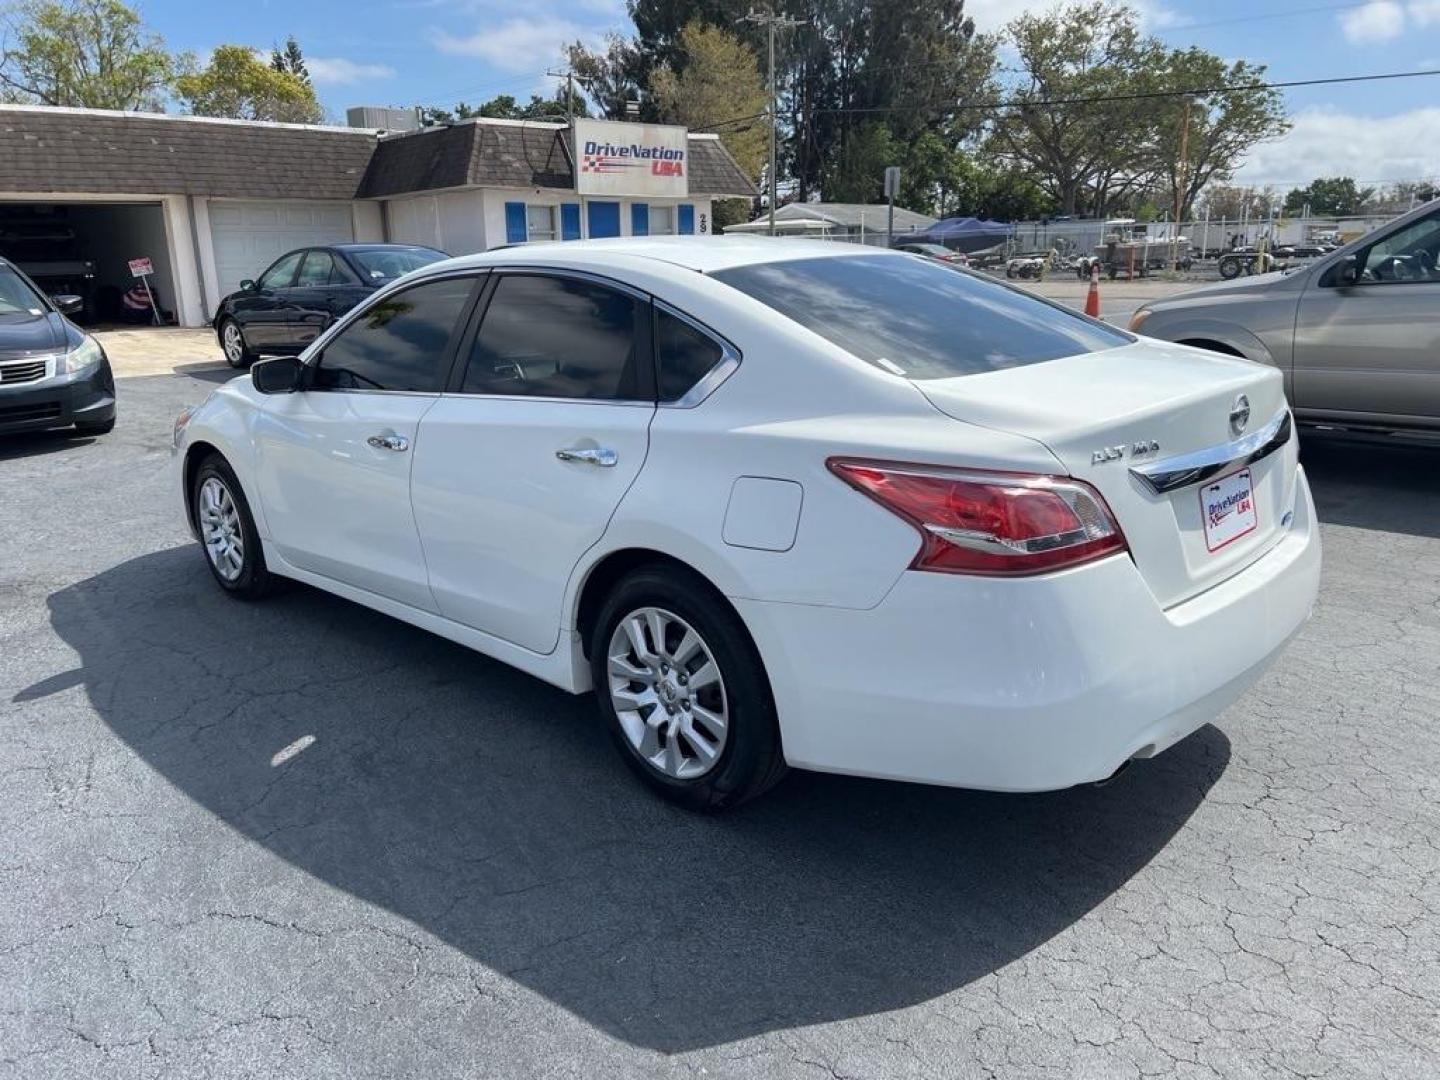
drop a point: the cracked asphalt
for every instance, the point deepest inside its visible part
(299, 839)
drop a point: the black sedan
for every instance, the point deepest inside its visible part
(52, 373)
(304, 291)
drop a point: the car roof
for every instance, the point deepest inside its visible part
(704, 254)
(351, 246)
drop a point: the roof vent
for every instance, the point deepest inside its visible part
(382, 117)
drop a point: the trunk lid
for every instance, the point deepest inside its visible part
(1099, 413)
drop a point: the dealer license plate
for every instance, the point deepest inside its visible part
(1227, 507)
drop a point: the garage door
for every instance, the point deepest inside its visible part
(249, 236)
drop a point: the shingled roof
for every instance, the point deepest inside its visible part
(714, 172)
(117, 153)
(105, 153)
(483, 153)
(469, 154)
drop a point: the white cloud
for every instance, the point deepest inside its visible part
(1380, 20)
(992, 15)
(515, 45)
(339, 71)
(1385, 20)
(1328, 142)
(1425, 12)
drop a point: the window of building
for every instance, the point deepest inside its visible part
(540, 223)
(662, 220)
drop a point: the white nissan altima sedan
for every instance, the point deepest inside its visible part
(781, 503)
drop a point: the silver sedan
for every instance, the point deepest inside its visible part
(1357, 333)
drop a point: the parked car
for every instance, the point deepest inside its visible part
(45, 248)
(936, 251)
(303, 292)
(781, 502)
(52, 373)
(1356, 333)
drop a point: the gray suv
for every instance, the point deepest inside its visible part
(1357, 333)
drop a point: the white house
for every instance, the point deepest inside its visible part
(210, 201)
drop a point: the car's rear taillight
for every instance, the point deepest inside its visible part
(974, 522)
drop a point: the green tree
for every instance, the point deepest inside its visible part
(718, 85)
(237, 83)
(857, 173)
(506, 107)
(1222, 126)
(290, 60)
(614, 77)
(82, 53)
(1080, 150)
(1331, 196)
(910, 67)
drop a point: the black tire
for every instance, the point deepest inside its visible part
(1229, 269)
(245, 356)
(750, 761)
(253, 580)
(102, 428)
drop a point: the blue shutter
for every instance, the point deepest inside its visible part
(604, 219)
(570, 221)
(515, 231)
(639, 219)
(687, 219)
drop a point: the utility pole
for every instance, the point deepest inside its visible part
(569, 76)
(1180, 183)
(772, 22)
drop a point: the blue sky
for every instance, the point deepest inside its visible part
(436, 52)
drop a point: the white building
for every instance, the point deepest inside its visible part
(210, 202)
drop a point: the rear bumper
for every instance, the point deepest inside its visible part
(55, 403)
(1027, 684)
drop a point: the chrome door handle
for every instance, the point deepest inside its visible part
(389, 442)
(586, 455)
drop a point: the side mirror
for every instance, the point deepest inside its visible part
(68, 303)
(247, 285)
(282, 375)
(1346, 272)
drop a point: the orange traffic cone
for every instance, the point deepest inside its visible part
(1092, 298)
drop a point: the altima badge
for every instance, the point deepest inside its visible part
(1139, 448)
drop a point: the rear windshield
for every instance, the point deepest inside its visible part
(918, 317)
(379, 265)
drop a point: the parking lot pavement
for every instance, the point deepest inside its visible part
(151, 350)
(1118, 299)
(296, 838)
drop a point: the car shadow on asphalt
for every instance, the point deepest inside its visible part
(1372, 483)
(488, 809)
(208, 371)
(36, 443)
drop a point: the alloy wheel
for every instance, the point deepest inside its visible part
(233, 343)
(668, 693)
(220, 529)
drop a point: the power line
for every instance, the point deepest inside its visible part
(1142, 95)
(1322, 9)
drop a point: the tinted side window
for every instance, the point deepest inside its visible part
(547, 336)
(318, 269)
(282, 273)
(686, 355)
(398, 343)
